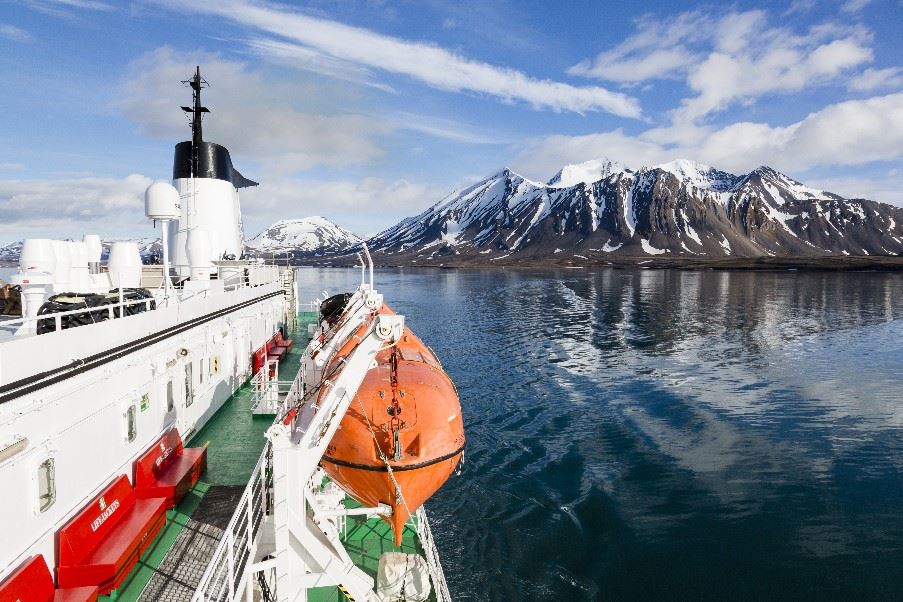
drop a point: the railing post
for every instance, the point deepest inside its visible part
(230, 542)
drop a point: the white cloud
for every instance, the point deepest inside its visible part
(72, 207)
(849, 133)
(308, 59)
(658, 49)
(734, 57)
(447, 129)
(16, 34)
(422, 61)
(800, 6)
(63, 7)
(885, 190)
(11, 166)
(363, 206)
(725, 78)
(854, 6)
(256, 117)
(874, 79)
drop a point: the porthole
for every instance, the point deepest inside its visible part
(46, 484)
(131, 424)
(170, 397)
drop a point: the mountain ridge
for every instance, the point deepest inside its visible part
(679, 208)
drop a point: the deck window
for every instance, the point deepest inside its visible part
(46, 485)
(131, 424)
(170, 397)
(189, 385)
(201, 372)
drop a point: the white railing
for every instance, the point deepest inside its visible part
(267, 390)
(425, 535)
(227, 576)
(240, 274)
(113, 310)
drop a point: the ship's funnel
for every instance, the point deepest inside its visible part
(207, 185)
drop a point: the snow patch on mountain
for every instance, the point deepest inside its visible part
(699, 175)
(586, 172)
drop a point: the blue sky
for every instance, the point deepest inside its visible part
(369, 111)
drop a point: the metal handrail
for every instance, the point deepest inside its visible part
(56, 316)
(227, 573)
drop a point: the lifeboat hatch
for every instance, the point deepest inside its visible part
(381, 411)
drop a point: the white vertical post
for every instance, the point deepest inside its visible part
(369, 261)
(164, 227)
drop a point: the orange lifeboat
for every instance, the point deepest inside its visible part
(406, 414)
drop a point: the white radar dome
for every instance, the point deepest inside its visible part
(161, 201)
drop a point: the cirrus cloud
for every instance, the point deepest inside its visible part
(422, 61)
(729, 58)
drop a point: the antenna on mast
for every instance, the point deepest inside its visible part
(197, 135)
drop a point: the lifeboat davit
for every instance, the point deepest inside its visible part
(407, 415)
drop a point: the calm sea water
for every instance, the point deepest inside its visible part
(638, 435)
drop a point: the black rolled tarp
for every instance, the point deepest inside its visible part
(214, 162)
(96, 306)
(331, 309)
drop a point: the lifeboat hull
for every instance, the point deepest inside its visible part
(407, 417)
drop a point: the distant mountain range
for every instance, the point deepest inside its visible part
(147, 247)
(603, 209)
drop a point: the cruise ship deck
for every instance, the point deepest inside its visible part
(173, 565)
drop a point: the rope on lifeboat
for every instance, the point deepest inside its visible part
(399, 495)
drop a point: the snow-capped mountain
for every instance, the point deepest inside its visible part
(11, 251)
(681, 208)
(306, 236)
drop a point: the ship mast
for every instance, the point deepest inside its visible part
(197, 135)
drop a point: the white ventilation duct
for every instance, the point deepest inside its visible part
(37, 255)
(63, 264)
(198, 250)
(124, 265)
(94, 250)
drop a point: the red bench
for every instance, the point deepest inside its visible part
(259, 359)
(168, 469)
(281, 342)
(102, 543)
(274, 351)
(32, 582)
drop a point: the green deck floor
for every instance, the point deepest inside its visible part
(234, 440)
(366, 540)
